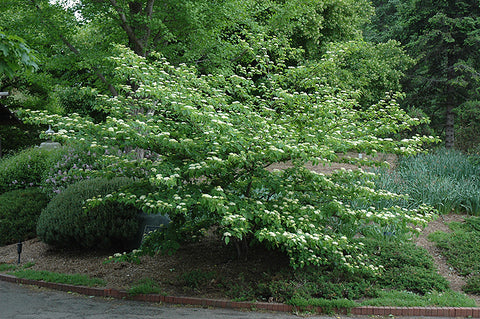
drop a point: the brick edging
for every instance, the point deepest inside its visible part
(466, 312)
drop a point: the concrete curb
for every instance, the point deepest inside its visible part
(202, 302)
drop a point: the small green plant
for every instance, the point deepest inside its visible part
(160, 241)
(130, 257)
(397, 298)
(75, 279)
(473, 285)
(29, 264)
(145, 286)
(196, 278)
(7, 267)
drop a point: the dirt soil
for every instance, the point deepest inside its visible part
(206, 256)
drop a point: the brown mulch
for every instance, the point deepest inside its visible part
(197, 259)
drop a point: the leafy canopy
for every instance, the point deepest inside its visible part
(204, 145)
(14, 54)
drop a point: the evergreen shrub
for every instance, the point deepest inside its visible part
(67, 223)
(406, 267)
(19, 212)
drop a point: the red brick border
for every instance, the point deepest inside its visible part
(463, 312)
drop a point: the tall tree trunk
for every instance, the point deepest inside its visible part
(450, 101)
(449, 126)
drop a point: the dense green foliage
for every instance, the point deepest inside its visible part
(462, 250)
(19, 212)
(26, 168)
(66, 222)
(406, 267)
(204, 142)
(442, 36)
(14, 54)
(445, 179)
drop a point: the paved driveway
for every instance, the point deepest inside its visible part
(27, 302)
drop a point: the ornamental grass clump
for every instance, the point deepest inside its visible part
(214, 137)
(445, 179)
(67, 223)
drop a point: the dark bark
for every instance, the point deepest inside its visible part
(450, 101)
(450, 127)
(138, 45)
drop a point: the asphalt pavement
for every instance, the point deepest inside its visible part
(31, 302)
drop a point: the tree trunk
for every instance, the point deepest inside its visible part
(449, 127)
(450, 101)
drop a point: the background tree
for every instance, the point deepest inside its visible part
(15, 54)
(443, 37)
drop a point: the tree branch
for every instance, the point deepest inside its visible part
(148, 13)
(138, 46)
(72, 48)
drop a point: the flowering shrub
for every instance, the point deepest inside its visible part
(25, 169)
(73, 165)
(213, 138)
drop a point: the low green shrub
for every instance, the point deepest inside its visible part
(461, 248)
(26, 168)
(473, 285)
(406, 267)
(19, 212)
(145, 286)
(67, 223)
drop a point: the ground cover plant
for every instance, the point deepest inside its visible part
(205, 269)
(70, 279)
(462, 250)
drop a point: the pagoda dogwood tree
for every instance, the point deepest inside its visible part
(202, 145)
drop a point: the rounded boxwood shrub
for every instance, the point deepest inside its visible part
(65, 223)
(19, 212)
